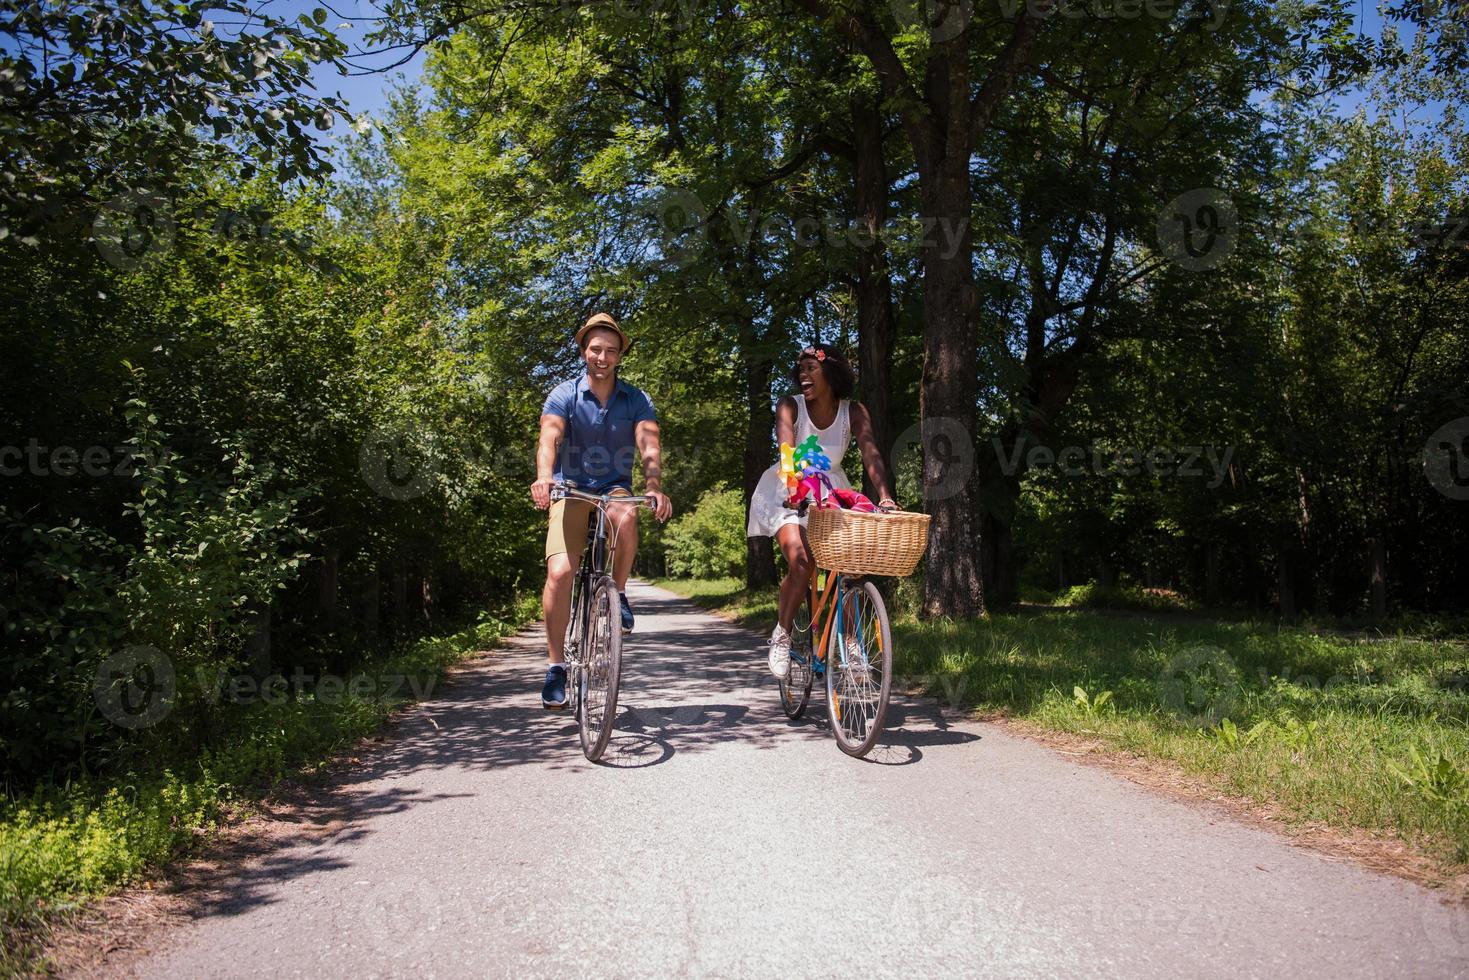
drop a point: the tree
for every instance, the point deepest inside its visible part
(99, 99)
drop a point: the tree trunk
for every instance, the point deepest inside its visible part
(997, 563)
(400, 598)
(1285, 586)
(326, 584)
(876, 330)
(370, 601)
(257, 644)
(759, 552)
(1211, 574)
(952, 585)
(1378, 576)
(1052, 380)
(944, 123)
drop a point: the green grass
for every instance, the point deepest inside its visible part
(62, 845)
(1127, 597)
(1351, 732)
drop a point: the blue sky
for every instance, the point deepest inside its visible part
(365, 94)
(369, 93)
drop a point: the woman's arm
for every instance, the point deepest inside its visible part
(871, 456)
(785, 421)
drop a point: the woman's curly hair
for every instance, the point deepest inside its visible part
(834, 366)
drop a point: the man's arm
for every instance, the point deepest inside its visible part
(651, 451)
(553, 428)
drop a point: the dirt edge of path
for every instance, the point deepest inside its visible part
(108, 936)
(1374, 851)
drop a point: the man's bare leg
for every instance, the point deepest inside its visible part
(624, 519)
(556, 605)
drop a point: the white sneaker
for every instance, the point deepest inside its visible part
(852, 648)
(780, 653)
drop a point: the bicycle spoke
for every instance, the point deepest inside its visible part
(601, 669)
(859, 664)
(596, 667)
(795, 689)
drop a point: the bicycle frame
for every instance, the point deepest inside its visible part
(819, 612)
(586, 666)
(595, 559)
(855, 662)
(596, 535)
(820, 596)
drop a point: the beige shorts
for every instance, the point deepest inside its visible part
(567, 532)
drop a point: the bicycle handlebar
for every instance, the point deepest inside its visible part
(562, 491)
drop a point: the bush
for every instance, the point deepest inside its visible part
(208, 549)
(709, 541)
(1094, 596)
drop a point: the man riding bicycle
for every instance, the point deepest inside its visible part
(592, 429)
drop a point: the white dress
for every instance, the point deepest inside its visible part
(768, 512)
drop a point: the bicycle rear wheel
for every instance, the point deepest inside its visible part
(795, 687)
(859, 668)
(601, 671)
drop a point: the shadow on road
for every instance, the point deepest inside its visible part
(242, 871)
(691, 683)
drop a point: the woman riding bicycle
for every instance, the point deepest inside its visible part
(825, 380)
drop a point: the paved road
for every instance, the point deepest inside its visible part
(721, 839)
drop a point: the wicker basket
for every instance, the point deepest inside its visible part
(861, 543)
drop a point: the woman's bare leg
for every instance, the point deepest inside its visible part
(794, 586)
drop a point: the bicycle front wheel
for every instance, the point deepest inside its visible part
(601, 672)
(575, 639)
(859, 668)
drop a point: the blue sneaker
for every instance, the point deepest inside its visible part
(626, 613)
(553, 693)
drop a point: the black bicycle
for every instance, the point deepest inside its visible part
(594, 633)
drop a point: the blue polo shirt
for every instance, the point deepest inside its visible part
(598, 451)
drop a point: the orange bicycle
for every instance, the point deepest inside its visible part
(841, 632)
(851, 647)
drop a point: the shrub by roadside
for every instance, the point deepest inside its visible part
(708, 541)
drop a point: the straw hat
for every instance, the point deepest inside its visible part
(605, 321)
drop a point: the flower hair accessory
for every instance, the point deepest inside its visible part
(815, 352)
